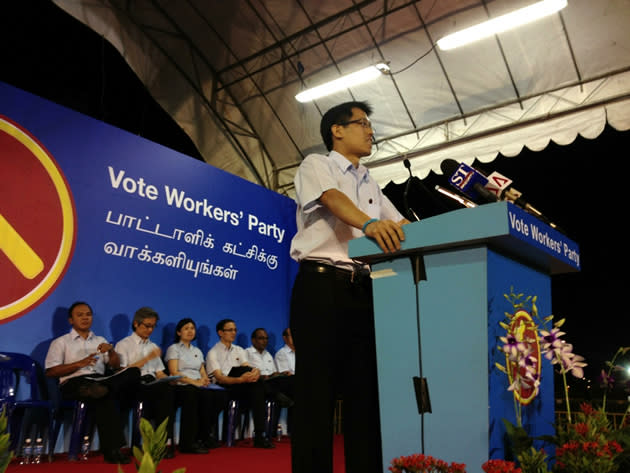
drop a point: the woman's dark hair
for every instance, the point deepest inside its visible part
(180, 324)
(336, 116)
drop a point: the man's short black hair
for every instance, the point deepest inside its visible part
(256, 330)
(143, 313)
(221, 323)
(339, 114)
(77, 303)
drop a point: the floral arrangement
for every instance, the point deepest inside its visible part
(420, 463)
(523, 339)
(585, 443)
(500, 466)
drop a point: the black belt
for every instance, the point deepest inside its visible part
(358, 275)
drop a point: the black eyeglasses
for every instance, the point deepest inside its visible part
(229, 330)
(149, 326)
(364, 122)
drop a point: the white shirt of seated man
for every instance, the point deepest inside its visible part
(258, 355)
(285, 357)
(225, 355)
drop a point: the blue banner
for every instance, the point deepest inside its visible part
(528, 228)
(91, 212)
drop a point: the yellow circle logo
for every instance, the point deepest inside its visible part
(37, 222)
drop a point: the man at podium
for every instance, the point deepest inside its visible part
(332, 320)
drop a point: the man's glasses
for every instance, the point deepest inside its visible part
(364, 122)
(149, 326)
(229, 330)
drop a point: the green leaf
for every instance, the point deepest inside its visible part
(147, 465)
(519, 438)
(138, 454)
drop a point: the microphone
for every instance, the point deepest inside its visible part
(408, 210)
(468, 181)
(501, 186)
(456, 197)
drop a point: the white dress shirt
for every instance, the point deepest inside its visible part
(73, 347)
(320, 235)
(263, 361)
(222, 358)
(134, 348)
(285, 360)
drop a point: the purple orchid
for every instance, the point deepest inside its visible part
(606, 381)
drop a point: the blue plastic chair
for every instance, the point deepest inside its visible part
(80, 426)
(16, 368)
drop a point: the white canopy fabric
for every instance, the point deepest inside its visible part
(228, 71)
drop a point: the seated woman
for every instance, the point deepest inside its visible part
(200, 406)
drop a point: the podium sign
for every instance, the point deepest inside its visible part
(448, 333)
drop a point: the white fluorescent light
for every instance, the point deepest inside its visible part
(502, 23)
(344, 82)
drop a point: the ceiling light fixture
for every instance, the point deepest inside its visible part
(502, 23)
(344, 82)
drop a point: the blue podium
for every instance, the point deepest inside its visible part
(446, 328)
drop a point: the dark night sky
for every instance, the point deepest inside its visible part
(48, 53)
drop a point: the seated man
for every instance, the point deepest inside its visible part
(278, 387)
(222, 363)
(79, 359)
(138, 351)
(285, 357)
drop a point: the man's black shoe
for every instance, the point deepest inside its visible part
(116, 457)
(194, 448)
(263, 442)
(211, 443)
(170, 452)
(93, 391)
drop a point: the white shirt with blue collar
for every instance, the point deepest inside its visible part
(320, 234)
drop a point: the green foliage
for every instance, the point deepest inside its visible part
(520, 440)
(587, 445)
(5, 453)
(153, 448)
(533, 461)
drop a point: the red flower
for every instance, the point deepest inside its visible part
(581, 428)
(587, 408)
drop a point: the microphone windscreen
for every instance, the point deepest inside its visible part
(448, 167)
(407, 164)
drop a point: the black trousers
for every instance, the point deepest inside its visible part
(105, 410)
(251, 395)
(200, 411)
(158, 403)
(332, 323)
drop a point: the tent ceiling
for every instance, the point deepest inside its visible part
(228, 71)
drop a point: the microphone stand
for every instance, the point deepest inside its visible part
(420, 385)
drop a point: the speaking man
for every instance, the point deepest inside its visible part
(332, 319)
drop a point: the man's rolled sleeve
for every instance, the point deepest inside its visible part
(55, 355)
(212, 364)
(313, 178)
